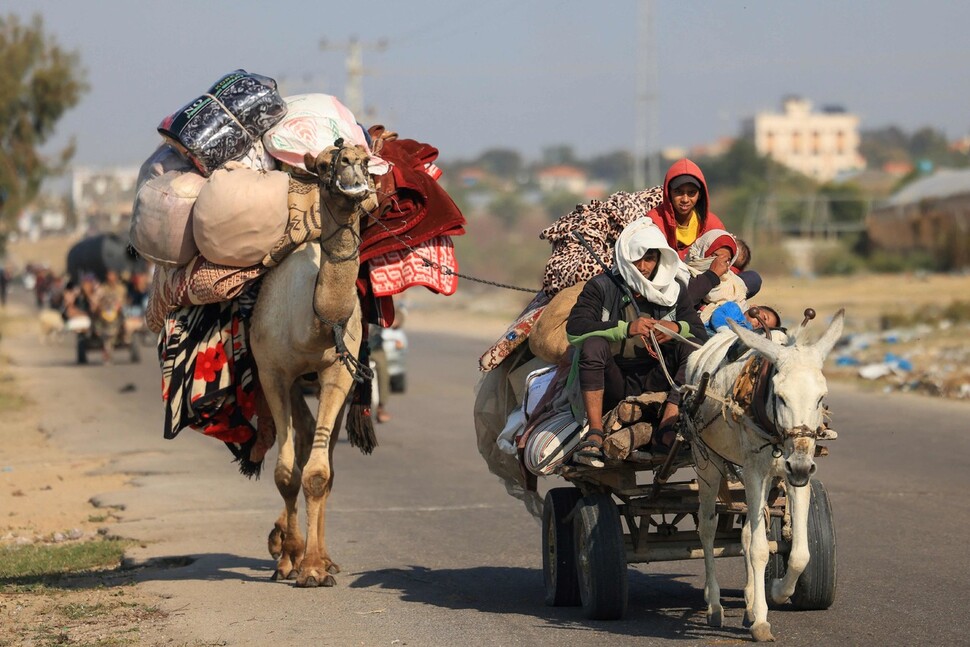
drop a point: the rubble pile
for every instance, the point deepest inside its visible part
(930, 359)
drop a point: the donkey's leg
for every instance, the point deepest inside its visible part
(755, 485)
(335, 384)
(286, 475)
(708, 481)
(799, 499)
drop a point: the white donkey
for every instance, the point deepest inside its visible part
(771, 433)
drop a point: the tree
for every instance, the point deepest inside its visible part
(502, 163)
(39, 82)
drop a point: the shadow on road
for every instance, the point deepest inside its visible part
(660, 605)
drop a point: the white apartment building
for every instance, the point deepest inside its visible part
(819, 144)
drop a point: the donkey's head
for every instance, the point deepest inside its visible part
(342, 171)
(795, 398)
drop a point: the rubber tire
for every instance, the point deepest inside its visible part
(558, 548)
(600, 558)
(815, 589)
(82, 350)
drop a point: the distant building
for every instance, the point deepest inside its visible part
(818, 144)
(103, 197)
(472, 176)
(930, 215)
(721, 146)
(562, 178)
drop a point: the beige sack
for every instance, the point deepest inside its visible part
(548, 337)
(161, 218)
(240, 215)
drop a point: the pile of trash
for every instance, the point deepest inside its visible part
(927, 359)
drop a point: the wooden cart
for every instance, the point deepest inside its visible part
(614, 516)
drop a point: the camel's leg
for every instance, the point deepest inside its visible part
(335, 383)
(708, 481)
(305, 416)
(287, 478)
(303, 423)
(756, 554)
(799, 499)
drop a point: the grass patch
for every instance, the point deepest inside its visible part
(42, 563)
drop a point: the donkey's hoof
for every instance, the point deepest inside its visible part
(761, 632)
(715, 618)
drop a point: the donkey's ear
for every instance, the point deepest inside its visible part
(753, 340)
(827, 341)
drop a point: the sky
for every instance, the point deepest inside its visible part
(469, 76)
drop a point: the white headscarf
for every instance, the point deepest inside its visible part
(634, 241)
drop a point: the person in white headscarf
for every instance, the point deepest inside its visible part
(615, 359)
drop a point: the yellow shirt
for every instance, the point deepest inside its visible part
(687, 234)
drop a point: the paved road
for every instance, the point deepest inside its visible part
(435, 552)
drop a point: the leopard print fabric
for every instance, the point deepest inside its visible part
(600, 223)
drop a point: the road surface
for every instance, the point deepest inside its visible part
(434, 552)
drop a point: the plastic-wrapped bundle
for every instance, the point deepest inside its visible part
(223, 124)
(161, 218)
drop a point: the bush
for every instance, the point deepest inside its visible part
(838, 261)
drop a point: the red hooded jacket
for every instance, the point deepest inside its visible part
(663, 215)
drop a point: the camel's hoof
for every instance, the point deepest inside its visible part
(715, 618)
(279, 575)
(761, 632)
(274, 543)
(312, 581)
(333, 569)
(748, 619)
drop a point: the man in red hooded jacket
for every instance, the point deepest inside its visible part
(685, 211)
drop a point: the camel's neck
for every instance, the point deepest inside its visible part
(335, 293)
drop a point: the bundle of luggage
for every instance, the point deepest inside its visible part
(214, 210)
(212, 201)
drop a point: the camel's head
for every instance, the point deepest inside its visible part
(342, 171)
(795, 403)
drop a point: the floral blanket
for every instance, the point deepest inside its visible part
(209, 380)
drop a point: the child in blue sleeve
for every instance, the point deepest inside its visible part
(746, 318)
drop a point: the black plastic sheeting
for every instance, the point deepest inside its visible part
(100, 253)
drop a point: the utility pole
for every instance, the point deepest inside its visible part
(354, 93)
(645, 131)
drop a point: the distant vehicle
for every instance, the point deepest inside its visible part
(395, 343)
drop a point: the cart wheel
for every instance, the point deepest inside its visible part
(600, 558)
(134, 352)
(558, 548)
(815, 589)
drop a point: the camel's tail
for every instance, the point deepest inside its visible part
(241, 451)
(360, 422)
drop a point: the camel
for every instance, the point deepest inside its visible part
(307, 319)
(776, 444)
